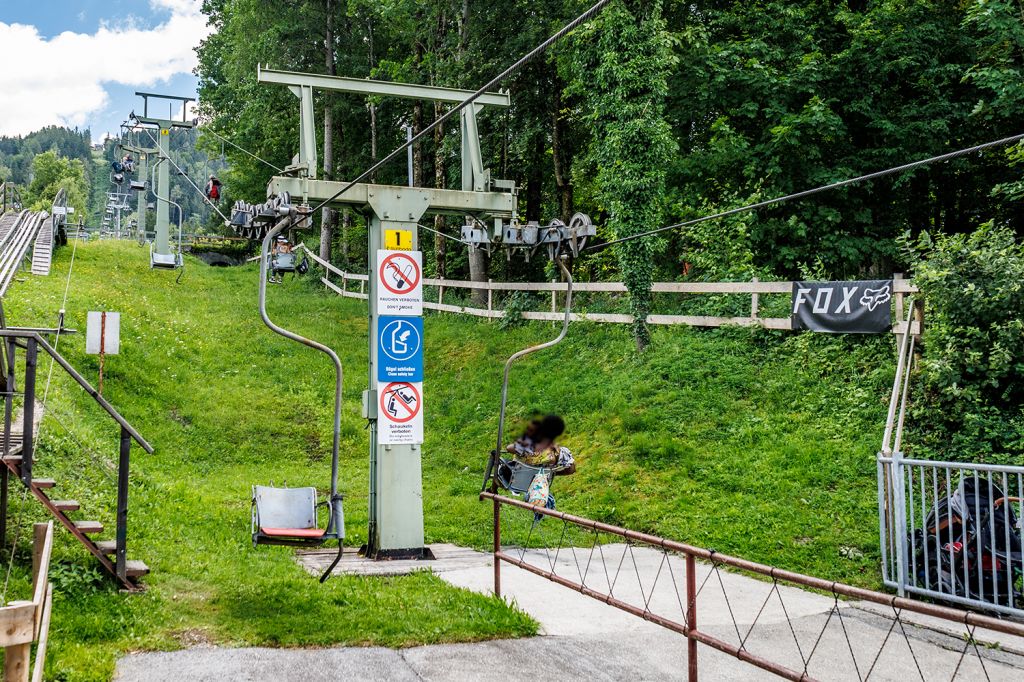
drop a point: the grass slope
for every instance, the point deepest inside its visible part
(754, 443)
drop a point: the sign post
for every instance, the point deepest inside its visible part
(103, 337)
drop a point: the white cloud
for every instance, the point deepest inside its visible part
(60, 81)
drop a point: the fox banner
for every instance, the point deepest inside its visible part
(862, 307)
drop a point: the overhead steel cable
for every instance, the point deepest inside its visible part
(241, 149)
(194, 185)
(514, 68)
(816, 190)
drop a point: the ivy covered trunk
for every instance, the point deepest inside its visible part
(628, 54)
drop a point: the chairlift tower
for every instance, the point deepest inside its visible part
(161, 254)
(392, 213)
(142, 154)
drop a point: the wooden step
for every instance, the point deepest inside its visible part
(43, 482)
(89, 527)
(13, 459)
(66, 506)
(135, 568)
(106, 546)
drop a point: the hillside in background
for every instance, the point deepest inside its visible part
(751, 442)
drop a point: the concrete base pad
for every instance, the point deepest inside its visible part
(446, 558)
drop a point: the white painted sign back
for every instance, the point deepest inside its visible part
(103, 333)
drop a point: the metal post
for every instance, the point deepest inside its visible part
(497, 538)
(691, 616)
(121, 555)
(408, 138)
(162, 241)
(142, 202)
(28, 412)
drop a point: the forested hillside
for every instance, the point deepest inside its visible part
(732, 103)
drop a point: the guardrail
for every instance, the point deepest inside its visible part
(685, 571)
(755, 289)
(28, 622)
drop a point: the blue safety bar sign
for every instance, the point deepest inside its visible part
(399, 348)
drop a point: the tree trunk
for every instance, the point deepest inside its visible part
(372, 106)
(346, 226)
(328, 217)
(561, 157)
(534, 183)
(441, 181)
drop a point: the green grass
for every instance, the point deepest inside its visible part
(755, 443)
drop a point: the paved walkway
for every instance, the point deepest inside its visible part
(586, 639)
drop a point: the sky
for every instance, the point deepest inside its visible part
(79, 63)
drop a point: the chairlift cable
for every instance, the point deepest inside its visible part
(511, 70)
(443, 234)
(806, 193)
(241, 149)
(194, 185)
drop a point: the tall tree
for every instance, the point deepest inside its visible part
(627, 54)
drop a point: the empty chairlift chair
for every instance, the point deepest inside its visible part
(287, 516)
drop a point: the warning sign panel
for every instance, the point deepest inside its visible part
(400, 421)
(400, 348)
(399, 282)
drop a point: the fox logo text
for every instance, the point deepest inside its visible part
(859, 307)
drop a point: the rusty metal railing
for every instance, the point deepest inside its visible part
(697, 559)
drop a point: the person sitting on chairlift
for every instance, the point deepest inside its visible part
(128, 163)
(538, 447)
(280, 247)
(213, 188)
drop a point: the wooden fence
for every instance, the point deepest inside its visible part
(25, 622)
(353, 285)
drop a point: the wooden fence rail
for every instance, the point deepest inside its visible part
(25, 622)
(755, 289)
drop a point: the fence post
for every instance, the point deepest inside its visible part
(754, 301)
(899, 520)
(28, 412)
(362, 286)
(121, 557)
(691, 616)
(440, 293)
(554, 298)
(489, 296)
(344, 280)
(896, 277)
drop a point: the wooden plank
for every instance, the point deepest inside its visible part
(43, 482)
(89, 527)
(17, 623)
(66, 506)
(338, 290)
(136, 569)
(106, 546)
(42, 549)
(44, 636)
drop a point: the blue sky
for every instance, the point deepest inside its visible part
(80, 63)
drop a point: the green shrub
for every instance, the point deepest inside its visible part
(973, 358)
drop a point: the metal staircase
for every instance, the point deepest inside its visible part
(17, 450)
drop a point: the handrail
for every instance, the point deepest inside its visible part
(944, 612)
(81, 382)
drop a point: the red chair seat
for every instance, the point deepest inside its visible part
(293, 532)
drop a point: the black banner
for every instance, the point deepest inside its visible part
(863, 307)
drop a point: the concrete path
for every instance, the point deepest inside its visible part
(585, 639)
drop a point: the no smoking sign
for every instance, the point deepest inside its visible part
(399, 282)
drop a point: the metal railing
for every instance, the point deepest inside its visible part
(32, 343)
(950, 531)
(573, 555)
